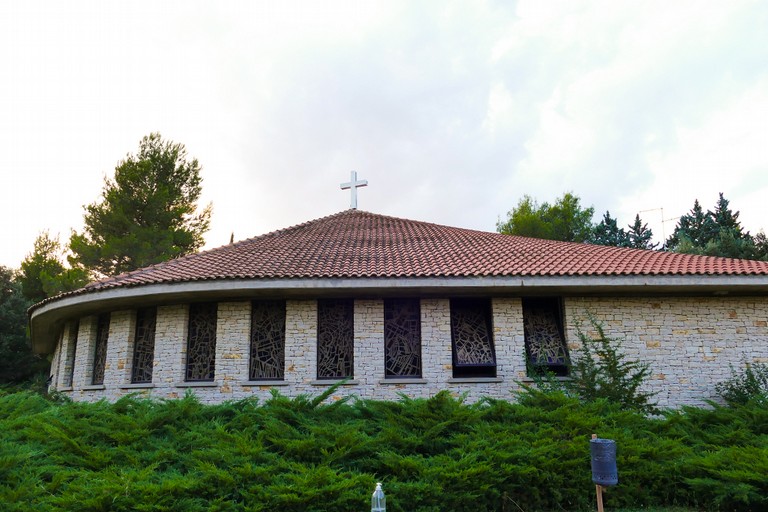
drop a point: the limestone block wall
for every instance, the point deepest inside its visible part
(84, 352)
(170, 349)
(690, 343)
(117, 370)
(300, 344)
(436, 358)
(369, 346)
(233, 328)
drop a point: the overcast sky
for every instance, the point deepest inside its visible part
(451, 110)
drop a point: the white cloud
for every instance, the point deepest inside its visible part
(452, 111)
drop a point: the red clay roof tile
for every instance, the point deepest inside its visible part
(358, 244)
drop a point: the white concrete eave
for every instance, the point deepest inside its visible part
(46, 320)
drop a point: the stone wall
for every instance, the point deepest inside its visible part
(689, 342)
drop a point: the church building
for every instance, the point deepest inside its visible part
(399, 307)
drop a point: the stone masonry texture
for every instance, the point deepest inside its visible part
(690, 343)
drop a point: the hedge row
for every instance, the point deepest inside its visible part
(436, 454)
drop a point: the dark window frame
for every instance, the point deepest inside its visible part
(553, 305)
(100, 344)
(326, 334)
(202, 370)
(391, 341)
(269, 359)
(482, 306)
(71, 355)
(142, 367)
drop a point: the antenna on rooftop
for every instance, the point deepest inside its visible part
(663, 220)
(353, 184)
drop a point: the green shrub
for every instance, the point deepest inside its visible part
(600, 370)
(432, 454)
(750, 383)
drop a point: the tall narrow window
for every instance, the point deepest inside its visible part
(402, 338)
(100, 350)
(201, 344)
(471, 334)
(544, 340)
(69, 362)
(335, 338)
(267, 340)
(144, 346)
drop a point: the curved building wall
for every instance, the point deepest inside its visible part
(690, 343)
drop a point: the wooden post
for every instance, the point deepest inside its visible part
(598, 490)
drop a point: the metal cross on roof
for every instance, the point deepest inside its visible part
(353, 185)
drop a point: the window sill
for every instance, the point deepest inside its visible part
(331, 382)
(94, 387)
(201, 384)
(474, 380)
(403, 381)
(264, 383)
(531, 379)
(138, 385)
(65, 388)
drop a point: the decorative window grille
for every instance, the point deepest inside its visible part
(267, 360)
(544, 340)
(100, 350)
(335, 338)
(402, 338)
(144, 346)
(69, 362)
(201, 344)
(471, 334)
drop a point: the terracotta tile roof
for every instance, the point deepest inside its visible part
(357, 244)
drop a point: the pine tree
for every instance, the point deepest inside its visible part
(608, 232)
(714, 233)
(640, 235)
(17, 362)
(147, 213)
(694, 229)
(43, 274)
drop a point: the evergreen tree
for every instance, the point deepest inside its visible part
(43, 274)
(17, 362)
(640, 235)
(608, 232)
(693, 229)
(761, 246)
(565, 220)
(147, 213)
(714, 233)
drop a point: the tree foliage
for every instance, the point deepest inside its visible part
(608, 232)
(17, 362)
(745, 384)
(640, 235)
(43, 274)
(147, 213)
(716, 233)
(601, 370)
(565, 220)
(568, 221)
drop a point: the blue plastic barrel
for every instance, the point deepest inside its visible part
(604, 470)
